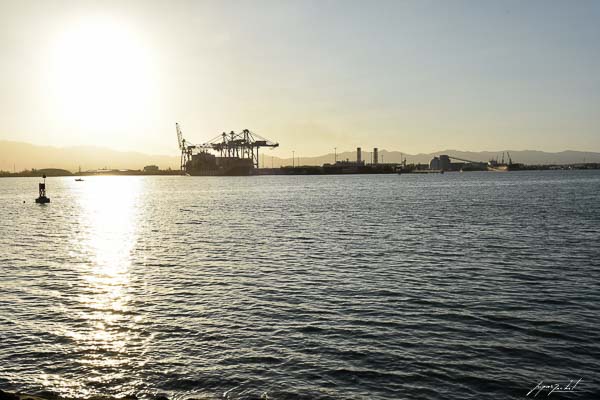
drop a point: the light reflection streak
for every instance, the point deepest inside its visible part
(108, 221)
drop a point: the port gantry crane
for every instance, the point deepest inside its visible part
(186, 148)
(244, 144)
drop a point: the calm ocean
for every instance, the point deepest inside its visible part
(453, 286)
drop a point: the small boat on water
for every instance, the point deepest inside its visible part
(78, 180)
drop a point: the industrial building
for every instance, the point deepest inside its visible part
(151, 168)
(441, 163)
(444, 163)
(359, 166)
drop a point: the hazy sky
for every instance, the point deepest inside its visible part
(413, 76)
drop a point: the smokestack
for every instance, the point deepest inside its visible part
(375, 156)
(358, 155)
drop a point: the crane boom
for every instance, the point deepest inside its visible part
(179, 136)
(469, 161)
(185, 147)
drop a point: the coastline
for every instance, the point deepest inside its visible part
(301, 170)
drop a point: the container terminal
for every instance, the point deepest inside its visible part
(237, 154)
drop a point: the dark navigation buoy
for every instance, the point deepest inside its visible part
(43, 199)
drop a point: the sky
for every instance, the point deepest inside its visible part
(412, 76)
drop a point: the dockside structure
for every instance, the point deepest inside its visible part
(237, 154)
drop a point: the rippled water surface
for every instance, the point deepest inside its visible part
(454, 286)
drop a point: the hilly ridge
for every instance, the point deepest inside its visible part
(21, 156)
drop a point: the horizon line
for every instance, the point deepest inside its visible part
(176, 153)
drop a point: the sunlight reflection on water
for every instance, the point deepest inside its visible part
(108, 220)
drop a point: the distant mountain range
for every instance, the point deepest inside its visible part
(21, 156)
(531, 157)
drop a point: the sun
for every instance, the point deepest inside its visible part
(101, 75)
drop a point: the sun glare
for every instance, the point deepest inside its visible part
(102, 75)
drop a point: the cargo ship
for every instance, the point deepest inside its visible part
(494, 165)
(228, 154)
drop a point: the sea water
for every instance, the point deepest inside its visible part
(453, 286)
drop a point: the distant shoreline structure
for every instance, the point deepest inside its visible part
(56, 172)
(289, 170)
(20, 156)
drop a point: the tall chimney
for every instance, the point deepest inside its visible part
(358, 155)
(375, 156)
